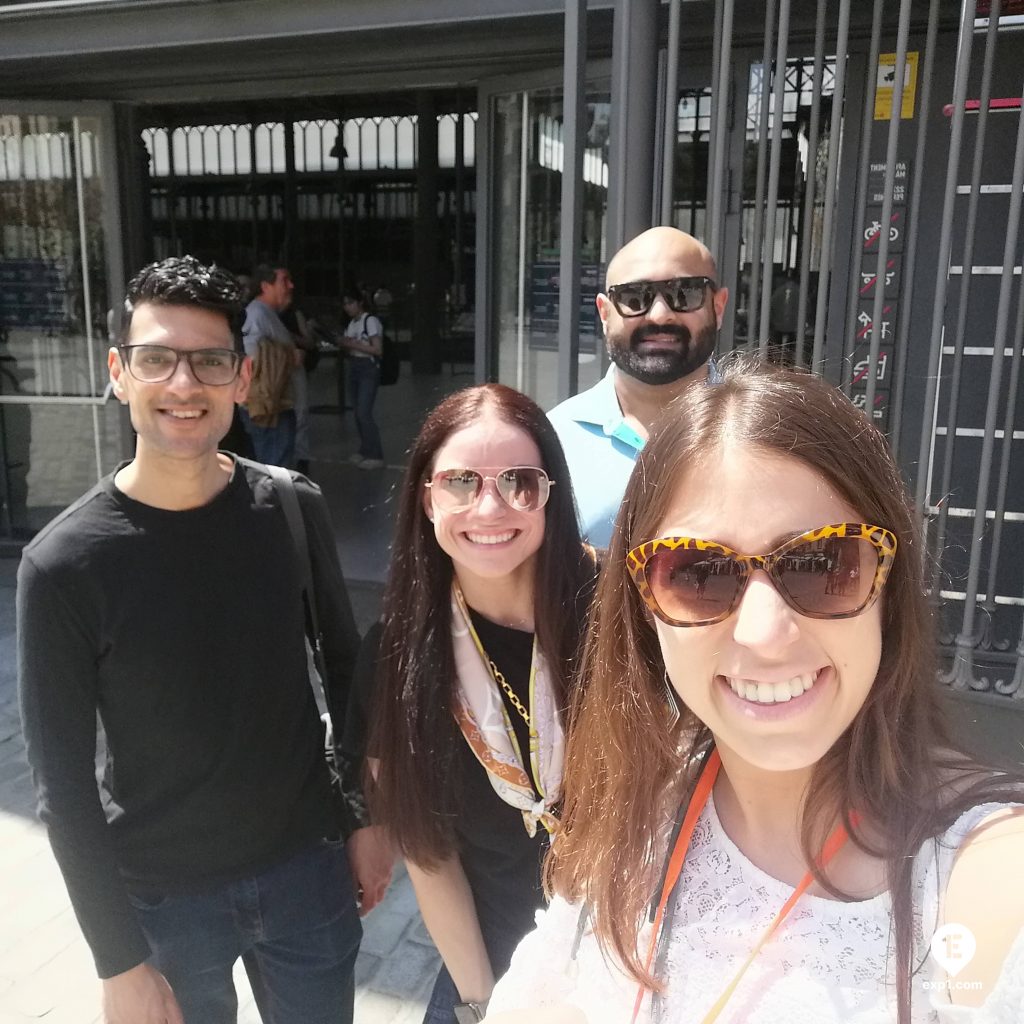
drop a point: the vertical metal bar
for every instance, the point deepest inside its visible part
(485, 339)
(963, 66)
(253, 198)
(731, 218)
(953, 411)
(6, 520)
(716, 209)
(172, 192)
(693, 168)
(671, 111)
(574, 106)
(1015, 685)
(524, 168)
(711, 191)
(961, 675)
(657, 141)
(631, 157)
(615, 223)
(834, 139)
(762, 144)
(83, 242)
(807, 215)
(112, 176)
(768, 243)
(289, 246)
(426, 353)
(910, 248)
(989, 604)
(342, 188)
(867, 123)
(460, 193)
(895, 117)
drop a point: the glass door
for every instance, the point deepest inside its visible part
(520, 185)
(60, 280)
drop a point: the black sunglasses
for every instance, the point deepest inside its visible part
(681, 294)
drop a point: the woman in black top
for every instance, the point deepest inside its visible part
(486, 593)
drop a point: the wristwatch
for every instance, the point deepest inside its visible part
(470, 1013)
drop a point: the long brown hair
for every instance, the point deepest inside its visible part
(414, 735)
(626, 770)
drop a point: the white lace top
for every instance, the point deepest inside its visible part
(827, 963)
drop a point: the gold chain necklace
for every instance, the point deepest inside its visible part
(510, 693)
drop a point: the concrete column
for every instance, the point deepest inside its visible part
(426, 342)
(632, 156)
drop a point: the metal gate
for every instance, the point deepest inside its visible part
(334, 198)
(863, 199)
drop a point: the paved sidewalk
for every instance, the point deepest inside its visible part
(46, 971)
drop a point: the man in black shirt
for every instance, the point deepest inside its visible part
(168, 600)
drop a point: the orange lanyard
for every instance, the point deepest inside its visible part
(701, 793)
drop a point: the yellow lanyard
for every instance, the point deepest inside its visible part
(677, 857)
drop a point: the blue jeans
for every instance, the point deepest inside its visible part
(273, 446)
(364, 379)
(295, 924)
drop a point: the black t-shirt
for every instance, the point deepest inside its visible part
(184, 630)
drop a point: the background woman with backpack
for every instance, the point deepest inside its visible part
(363, 342)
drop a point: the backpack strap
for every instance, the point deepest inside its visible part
(350, 806)
(285, 487)
(364, 334)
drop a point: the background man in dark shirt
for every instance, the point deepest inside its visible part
(168, 600)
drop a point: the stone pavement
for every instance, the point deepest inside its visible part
(46, 972)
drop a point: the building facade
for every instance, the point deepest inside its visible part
(857, 170)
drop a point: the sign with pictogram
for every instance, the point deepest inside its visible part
(880, 409)
(865, 326)
(886, 80)
(884, 367)
(890, 276)
(872, 231)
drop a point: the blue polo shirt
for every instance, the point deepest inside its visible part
(600, 448)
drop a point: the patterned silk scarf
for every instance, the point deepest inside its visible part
(483, 718)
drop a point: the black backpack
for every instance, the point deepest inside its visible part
(390, 361)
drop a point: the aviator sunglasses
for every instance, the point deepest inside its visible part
(153, 364)
(524, 488)
(681, 294)
(833, 572)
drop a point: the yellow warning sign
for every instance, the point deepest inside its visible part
(886, 81)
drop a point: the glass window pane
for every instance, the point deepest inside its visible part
(48, 459)
(53, 288)
(529, 156)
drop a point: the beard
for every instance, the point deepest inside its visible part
(663, 367)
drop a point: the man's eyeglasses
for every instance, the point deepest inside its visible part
(681, 295)
(524, 488)
(152, 364)
(833, 572)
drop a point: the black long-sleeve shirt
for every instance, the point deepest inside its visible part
(184, 631)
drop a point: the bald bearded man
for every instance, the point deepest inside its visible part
(661, 311)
